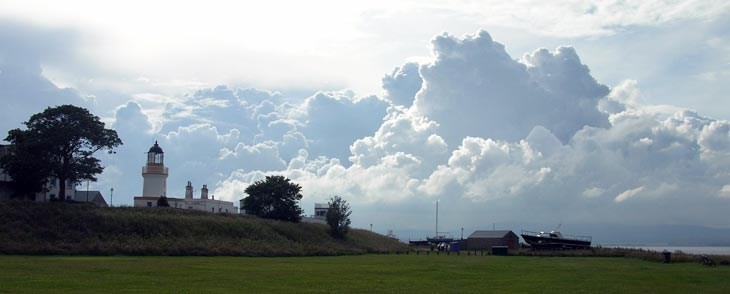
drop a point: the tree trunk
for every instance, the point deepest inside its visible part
(62, 176)
(62, 188)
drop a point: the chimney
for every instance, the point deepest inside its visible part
(204, 192)
(189, 191)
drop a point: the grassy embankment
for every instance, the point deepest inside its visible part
(356, 274)
(81, 229)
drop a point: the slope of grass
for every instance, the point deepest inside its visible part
(356, 274)
(64, 228)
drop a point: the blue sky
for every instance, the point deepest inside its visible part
(559, 111)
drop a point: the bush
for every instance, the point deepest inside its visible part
(162, 202)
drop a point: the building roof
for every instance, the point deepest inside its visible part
(489, 234)
(81, 195)
(321, 205)
(156, 149)
(93, 196)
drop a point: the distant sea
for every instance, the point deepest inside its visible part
(712, 250)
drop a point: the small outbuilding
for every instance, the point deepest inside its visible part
(487, 239)
(94, 197)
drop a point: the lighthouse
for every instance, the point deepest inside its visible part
(154, 173)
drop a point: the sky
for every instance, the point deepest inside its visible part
(552, 112)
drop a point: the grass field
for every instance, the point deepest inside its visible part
(356, 274)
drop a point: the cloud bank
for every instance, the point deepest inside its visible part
(493, 138)
(535, 139)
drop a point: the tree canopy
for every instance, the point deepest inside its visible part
(59, 143)
(27, 177)
(338, 217)
(275, 197)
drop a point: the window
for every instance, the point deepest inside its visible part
(149, 203)
(153, 157)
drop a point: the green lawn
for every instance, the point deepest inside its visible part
(360, 274)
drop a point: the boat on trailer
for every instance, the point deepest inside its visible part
(555, 240)
(439, 239)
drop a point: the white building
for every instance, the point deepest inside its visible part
(154, 186)
(319, 216)
(320, 210)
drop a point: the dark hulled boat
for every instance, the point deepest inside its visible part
(555, 240)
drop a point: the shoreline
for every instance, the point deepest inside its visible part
(709, 250)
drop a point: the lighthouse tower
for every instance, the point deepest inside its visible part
(154, 173)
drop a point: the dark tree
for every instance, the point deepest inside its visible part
(338, 217)
(276, 197)
(162, 202)
(28, 176)
(63, 139)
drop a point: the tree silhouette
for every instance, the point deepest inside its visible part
(28, 177)
(63, 139)
(338, 217)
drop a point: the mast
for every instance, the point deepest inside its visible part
(437, 219)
